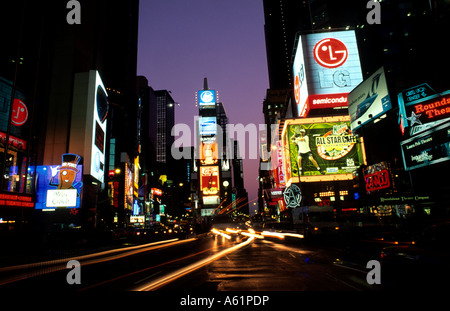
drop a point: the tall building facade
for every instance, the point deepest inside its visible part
(64, 76)
(217, 176)
(165, 113)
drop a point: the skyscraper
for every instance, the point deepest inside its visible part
(44, 59)
(165, 114)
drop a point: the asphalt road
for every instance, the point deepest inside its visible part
(241, 263)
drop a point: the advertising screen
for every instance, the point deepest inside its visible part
(211, 200)
(377, 177)
(207, 211)
(321, 149)
(429, 111)
(207, 126)
(326, 68)
(207, 98)
(129, 188)
(422, 108)
(209, 153)
(369, 100)
(58, 186)
(300, 81)
(88, 123)
(209, 180)
(430, 147)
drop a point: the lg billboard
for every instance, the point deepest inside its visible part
(326, 68)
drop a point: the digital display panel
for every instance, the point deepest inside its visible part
(326, 68)
(88, 123)
(369, 100)
(321, 149)
(209, 153)
(422, 108)
(208, 126)
(377, 177)
(129, 188)
(209, 180)
(58, 186)
(207, 98)
(300, 81)
(430, 147)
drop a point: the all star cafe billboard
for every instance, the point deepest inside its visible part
(59, 186)
(421, 108)
(325, 149)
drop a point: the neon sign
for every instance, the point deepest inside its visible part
(435, 110)
(377, 181)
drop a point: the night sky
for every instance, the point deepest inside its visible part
(181, 42)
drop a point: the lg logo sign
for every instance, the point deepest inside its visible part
(332, 53)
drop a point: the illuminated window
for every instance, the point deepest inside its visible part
(326, 194)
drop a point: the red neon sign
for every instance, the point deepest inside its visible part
(16, 200)
(157, 191)
(378, 180)
(438, 109)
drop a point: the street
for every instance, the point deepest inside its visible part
(205, 263)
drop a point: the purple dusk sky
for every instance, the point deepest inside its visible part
(181, 42)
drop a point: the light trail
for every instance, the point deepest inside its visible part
(46, 267)
(83, 257)
(282, 235)
(183, 271)
(222, 233)
(150, 268)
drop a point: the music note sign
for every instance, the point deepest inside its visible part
(19, 113)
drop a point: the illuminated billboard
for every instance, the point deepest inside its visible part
(88, 124)
(377, 177)
(321, 149)
(59, 186)
(369, 100)
(129, 188)
(300, 81)
(429, 147)
(209, 180)
(326, 68)
(211, 200)
(208, 126)
(422, 107)
(209, 153)
(207, 98)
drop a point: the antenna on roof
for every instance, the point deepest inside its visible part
(205, 83)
